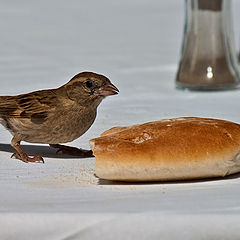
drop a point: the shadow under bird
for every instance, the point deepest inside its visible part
(55, 116)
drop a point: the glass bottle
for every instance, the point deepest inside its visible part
(209, 59)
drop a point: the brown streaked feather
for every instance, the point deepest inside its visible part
(35, 106)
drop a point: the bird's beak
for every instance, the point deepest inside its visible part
(108, 90)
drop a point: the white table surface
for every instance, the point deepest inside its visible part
(136, 44)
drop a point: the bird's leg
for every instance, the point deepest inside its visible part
(72, 150)
(21, 155)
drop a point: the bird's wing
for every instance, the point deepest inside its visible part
(35, 106)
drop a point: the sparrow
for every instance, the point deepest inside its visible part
(55, 116)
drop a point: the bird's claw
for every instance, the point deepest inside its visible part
(26, 159)
(59, 150)
(72, 151)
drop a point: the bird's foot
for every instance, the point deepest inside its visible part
(25, 158)
(72, 150)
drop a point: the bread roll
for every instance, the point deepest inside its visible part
(169, 149)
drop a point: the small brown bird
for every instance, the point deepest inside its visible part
(55, 116)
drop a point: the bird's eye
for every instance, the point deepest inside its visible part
(89, 83)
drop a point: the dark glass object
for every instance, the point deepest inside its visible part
(209, 60)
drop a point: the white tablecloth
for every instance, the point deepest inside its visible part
(137, 45)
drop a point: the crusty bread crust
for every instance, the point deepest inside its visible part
(169, 149)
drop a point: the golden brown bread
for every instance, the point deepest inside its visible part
(169, 149)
